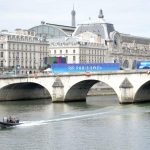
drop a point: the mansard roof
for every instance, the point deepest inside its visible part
(101, 29)
(137, 39)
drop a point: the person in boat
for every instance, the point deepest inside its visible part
(5, 119)
(11, 119)
(8, 120)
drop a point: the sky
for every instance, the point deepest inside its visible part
(128, 16)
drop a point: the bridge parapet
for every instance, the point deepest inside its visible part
(75, 86)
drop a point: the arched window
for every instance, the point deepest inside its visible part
(115, 60)
(134, 64)
(126, 64)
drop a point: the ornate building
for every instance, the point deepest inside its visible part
(100, 42)
(24, 50)
(132, 48)
(96, 42)
(79, 49)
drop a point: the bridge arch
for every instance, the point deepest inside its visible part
(79, 90)
(143, 93)
(23, 91)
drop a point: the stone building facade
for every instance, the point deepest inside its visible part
(132, 49)
(21, 52)
(78, 51)
(99, 42)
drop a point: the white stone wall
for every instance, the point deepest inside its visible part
(84, 52)
(24, 50)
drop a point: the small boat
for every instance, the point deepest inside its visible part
(9, 122)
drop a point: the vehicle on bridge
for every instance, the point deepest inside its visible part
(74, 68)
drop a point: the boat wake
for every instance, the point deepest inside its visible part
(32, 123)
(42, 122)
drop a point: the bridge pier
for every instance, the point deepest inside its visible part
(126, 96)
(58, 91)
(126, 90)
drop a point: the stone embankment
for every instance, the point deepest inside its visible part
(101, 89)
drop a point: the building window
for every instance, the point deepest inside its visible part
(13, 46)
(1, 64)
(74, 58)
(2, 54)
(17, 46)
(66, 51)
(74, 51)
(60, 51)
(30, 47)
(54, 51)
(9, 55)
(66, 59)
(1, 45)
(9, 46)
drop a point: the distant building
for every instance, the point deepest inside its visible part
(79, 49)
(22, 52)
(131, 49)
(100, 42)
(89, 44)
(49, 31)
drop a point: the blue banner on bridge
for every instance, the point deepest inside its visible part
(143, 64)
(70, 68)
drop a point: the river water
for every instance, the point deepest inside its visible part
(100, 123)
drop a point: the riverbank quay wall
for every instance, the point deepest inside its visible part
(130, 86)
(101, 91)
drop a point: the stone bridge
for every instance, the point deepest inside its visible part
(130, 86)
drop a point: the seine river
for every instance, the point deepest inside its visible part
(101, 123)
